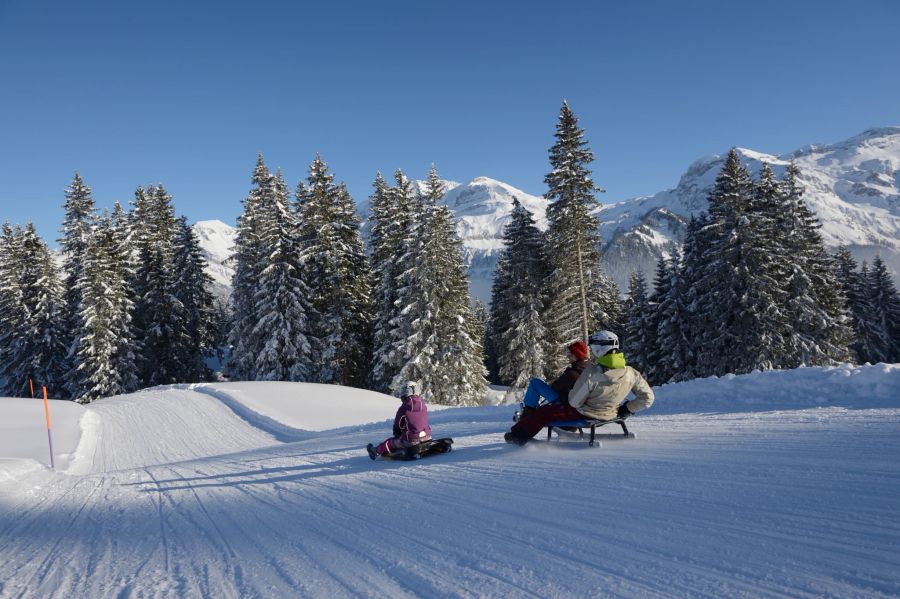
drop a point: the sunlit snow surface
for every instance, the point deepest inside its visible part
(768, 484)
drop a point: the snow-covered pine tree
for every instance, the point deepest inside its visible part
(724, 279)
(283, 306)
(249, 258)
(886, 304)
(391, 218)
(869, 345)
(768, 329)
(433, 331)
(659, 357)
(334, 257)
(496, 321)
(459, 356)
(78, 224)
(159, 317)
(105, 363)
(879, 344)
(816, 308)
(38, 347)
(678, 322)
(639, 337)
(357, 348)
(576, 284)
(519, 301)
(413, 328)
(12, 309)
(611, 314)
(482, 319)
(192, 284)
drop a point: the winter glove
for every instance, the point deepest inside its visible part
(623, 411)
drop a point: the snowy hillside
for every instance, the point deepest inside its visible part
(733, 487)
(853, 186)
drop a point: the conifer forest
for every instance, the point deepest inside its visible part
(318, 295)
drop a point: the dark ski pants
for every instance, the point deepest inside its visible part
(531, 424)
(394, 443)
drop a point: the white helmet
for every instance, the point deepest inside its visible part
(603, 342)
(410, 388)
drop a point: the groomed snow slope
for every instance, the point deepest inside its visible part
(187, 496)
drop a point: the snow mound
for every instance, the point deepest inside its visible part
(868, 386)
(23, 433)
(286, 410)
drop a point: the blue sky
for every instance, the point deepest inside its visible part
(187, 93)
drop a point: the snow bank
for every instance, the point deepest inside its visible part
(868, 386)
(23, 434)
(283, 409)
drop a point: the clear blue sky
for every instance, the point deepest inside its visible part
(187, 93)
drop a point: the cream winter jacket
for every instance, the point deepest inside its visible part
(598, 393)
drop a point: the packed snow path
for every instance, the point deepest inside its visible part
(186, 498)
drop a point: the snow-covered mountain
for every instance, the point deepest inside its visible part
(482, 207)
(853, 186)
(217, 243)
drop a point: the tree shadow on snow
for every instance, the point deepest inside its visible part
(309, 472)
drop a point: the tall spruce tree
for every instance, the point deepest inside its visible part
(44, 345)
(38, 346)
(334, 257)
(815, 304)
(282, 333)
(769, 337)
(105, 363)
(160, 318)
(579, 292)
(869, 344)
(482, 315)
(886, 304)
(78, 224)
(459, 356)
(391, 223)
(518, 303)
(660, 367)
(192, 289)
(249, 259)
(12, 308)
(738, 293)
(639, 336)
(433, 331)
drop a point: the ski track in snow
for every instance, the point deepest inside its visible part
(185, 497)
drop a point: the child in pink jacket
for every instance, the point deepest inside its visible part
(410, 424)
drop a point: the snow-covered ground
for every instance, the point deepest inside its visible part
(769, 484)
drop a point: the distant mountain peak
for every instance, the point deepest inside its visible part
(852, 185)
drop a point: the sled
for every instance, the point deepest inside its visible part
(593, 425)
(421, 450)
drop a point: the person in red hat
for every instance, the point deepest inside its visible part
(557, 392)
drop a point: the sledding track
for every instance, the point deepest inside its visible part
(800, 503)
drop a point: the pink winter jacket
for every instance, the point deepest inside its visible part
(411, 421)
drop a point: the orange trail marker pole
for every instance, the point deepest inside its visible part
(49, 437)
(31, 386)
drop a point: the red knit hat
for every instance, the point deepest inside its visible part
(579, 349)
